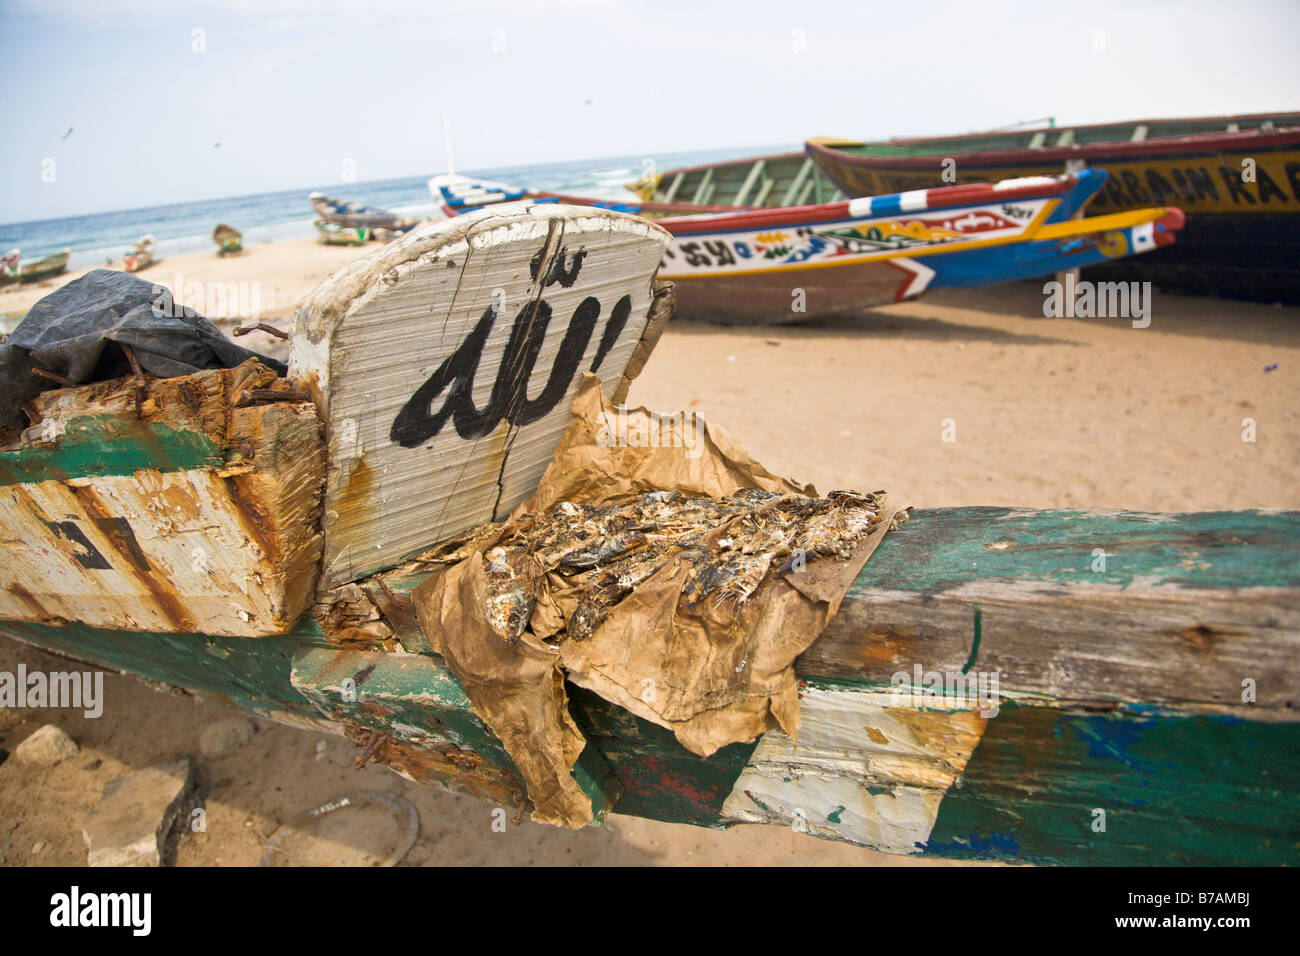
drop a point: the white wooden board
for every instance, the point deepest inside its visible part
(444, 366)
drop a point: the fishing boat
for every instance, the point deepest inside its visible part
(782, 179)
(139, 255)
(1236, 177)
(334, 234)
(229, 240)
(258, 539)
(12, 269)
(357, 215)
(790, 264)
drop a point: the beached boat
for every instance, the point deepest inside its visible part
(139, 255)
(791, 264)
(333, 234)
(13, 269)
(244, 536)
(783, 179)
(1236, 177)
(228, 239)
(357, 215)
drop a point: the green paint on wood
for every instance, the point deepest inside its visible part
(251, 672)
(417, 699)
(659, 778)
(406, 695)
(97, 445)
(974, 647)
(943, 549)
(1176, 790)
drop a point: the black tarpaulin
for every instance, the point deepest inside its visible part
(78, 332)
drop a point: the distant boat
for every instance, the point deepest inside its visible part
(771, 266)
(353, 214)
(140, 255)
(334, 234)
(228, 239)
(12, 269)
(1236, 177)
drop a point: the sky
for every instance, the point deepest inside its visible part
(308, 92)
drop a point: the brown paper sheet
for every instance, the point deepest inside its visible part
(713, 671)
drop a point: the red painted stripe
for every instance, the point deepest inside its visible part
(1173, 220)
(944, 198)
(1095, 154)
(1279, 120)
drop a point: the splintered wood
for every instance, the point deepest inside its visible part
(444, 366)
(184, 505)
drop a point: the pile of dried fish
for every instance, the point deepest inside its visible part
(730, 547)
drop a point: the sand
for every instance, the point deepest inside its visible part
(1048, 413)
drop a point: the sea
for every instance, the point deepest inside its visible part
(187, 227)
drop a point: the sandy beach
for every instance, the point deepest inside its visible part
(1047, 413)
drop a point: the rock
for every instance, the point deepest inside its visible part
(137, 813)
(225, 737)
(39, 847)
(46, 747)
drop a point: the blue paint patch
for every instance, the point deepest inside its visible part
(975, 845)
(1111, 740)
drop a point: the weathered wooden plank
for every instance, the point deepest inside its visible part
(1179, 613)
(1023, 777)
(252, 675)
(196, 510)
(445, 363)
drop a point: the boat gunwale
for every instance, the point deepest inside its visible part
(1127, 150)
(1292, 117)
(745, 218)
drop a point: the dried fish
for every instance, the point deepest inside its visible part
(730, 547)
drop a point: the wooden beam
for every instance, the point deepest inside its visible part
(672, 190)
(702, 189)
(1121, 642)
(1098, 610)
(755, 172)
(804, 171)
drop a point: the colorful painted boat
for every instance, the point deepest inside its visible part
(228, 239)
(13, 269)
(1236, 177)
(790, 264)
(140, 255)
(358, 215)
(334, 234)
(275, 581)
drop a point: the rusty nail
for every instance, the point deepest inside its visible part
(373, 742)
(55, 377)
(253, 396)
(141, 386)
(262, 326)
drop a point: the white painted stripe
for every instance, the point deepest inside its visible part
(860, 207)
(914, 200)
(865, 769)
(1025, 182)
(1144, 237)
(922, 275)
